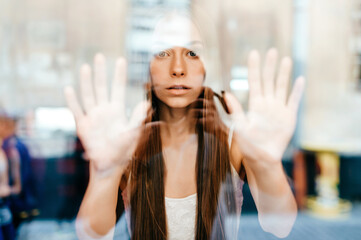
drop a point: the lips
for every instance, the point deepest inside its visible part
(178, 90)
(178, 87)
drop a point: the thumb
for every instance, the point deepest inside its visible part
(139, 114)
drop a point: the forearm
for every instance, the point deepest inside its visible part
(277, 209)
(97, 209)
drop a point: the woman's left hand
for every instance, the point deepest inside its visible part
(266, 129)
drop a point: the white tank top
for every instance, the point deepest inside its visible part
(181, 216)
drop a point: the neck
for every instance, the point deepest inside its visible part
(178, 126)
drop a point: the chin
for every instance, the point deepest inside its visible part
(178, 103)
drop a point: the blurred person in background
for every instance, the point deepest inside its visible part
(6, 189)
(178, 165)
(22, 201)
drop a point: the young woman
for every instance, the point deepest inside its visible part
(175, 161)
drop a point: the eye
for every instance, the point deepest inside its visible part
(192, 54)
(162, 54)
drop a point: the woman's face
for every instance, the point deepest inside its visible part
(177, 70)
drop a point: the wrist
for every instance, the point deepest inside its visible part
(268, 175)
(112, 174)
(266, 168)
(262, 162)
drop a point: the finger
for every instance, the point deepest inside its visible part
(139, 114)
(283, 79)
(100, 79)
(222, 101)
(73, 103)
(254, 77)
(234, 107)
(119, 84)
(269, 72)
(296, 94)
(86, 88)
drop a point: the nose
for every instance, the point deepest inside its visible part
(178, 66)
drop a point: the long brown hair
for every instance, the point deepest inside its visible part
(213, 170)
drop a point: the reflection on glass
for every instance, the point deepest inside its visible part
(207, 167)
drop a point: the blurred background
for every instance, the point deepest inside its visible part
(44, 42)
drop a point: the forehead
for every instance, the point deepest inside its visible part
(175, 30)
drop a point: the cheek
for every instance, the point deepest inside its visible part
(196, 68)
(157, 72)
(197, 73)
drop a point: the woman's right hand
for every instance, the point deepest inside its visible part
(109, 139)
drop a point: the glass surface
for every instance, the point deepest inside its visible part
(261, 163)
